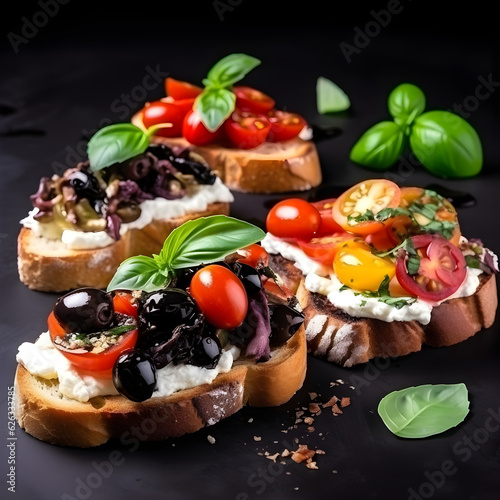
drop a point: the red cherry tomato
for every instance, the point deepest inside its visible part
(325, 249)
(284, 125)
(123, 303)
(441, 272)
(247, 130)
(178, 89)
(195, 132)
(184, 104)
(255, 101)
(91, 361)
(328, 225)
(157, 112)
(220, 296)
(394, 231)
(293, 219)
(280, 291)
(253, 255)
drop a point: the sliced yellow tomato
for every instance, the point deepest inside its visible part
(358, 268)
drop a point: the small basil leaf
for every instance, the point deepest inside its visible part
(114, 144)
(213, 106)
(405, 103)
(418, 412)
(329, 97)
(230, 70)
(380, 146)
(139, 273)
(446, 144)
(205, 240)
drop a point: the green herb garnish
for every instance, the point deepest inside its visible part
(330, 98)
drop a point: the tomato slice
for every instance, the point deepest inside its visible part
(280, 291)
(157, 112)
(325, 248)
(358, 201)
(255, 101)
(178, 89)
(247, 130)
(293, 219)
(395, 231)
(195, 132)
(285, 125)
(254, 255)
(328, 225)
(91, 361)
(441, 272)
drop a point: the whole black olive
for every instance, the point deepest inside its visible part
(134, 375)
(285, 321)
(160, 312)
(206, 352)
(184, 276)
(249, 276)
(85, 310)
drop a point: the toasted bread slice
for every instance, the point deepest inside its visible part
(49, 266)
(340, 338)
(46, 414)
(272, 167)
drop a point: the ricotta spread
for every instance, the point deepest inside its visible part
(319, 279)
(196, 200)
(43, 360)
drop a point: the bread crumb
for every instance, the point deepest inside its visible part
(336, 410)
(311, 465)
(334, 471)
(257, 438)
(314, 408)
(299, 413)
(310, 429)
(210, 439)
(273, 457)
(313, 395)
(285, 453)
(331, 401)
(309, 420)
(302, 453)
(250, 420)
(345, 402)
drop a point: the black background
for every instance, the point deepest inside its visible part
(87, 64)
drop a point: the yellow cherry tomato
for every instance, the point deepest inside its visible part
(359, 269)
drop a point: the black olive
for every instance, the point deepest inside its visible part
(86, 185)
(184, 277)
(160, 312)
(134, 375)
(206, 352)
(249, 276)
(285, 321)
(85, 310)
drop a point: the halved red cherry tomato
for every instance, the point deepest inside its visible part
(280, 291)
(255, 101)
(123, 303)
(370, 195)
(91, 361)
(442, 268)
(253, 255)
(220, 296)
(195, 132)
(157, 112)
(293, 219)
(247, 130)
(178, 89)
(328, 225)
(284, 125)
(184, 104)
(325, 248)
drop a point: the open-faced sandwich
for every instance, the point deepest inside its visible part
(253, 146)
(123, 201)
(179, 341)
(381, 270)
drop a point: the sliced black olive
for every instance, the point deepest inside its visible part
(285, 321)
(249, 276)
(134, 375)
(85, 310)
(86, 185)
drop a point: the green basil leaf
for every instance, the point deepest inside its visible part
(114, 144)
(213, 106)
(329, 97)
(230, 70)
(205, 240)
(426, 410)
(139, 273)
(446, 144)
(380, 146)
(405, 103)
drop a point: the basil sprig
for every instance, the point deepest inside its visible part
(216, 103)
(443, 142)
(199, 241)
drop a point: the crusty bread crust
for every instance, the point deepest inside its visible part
(54, 268)
(46, 414)
(340, 338)
(269, 168)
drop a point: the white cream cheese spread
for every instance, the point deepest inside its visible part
(42, 359)
(319, 279)
(197, 199)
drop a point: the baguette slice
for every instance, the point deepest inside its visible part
(46, 414)
(340, 338)
(272, 167)
(51, 267)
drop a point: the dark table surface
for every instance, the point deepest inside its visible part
(70, 70)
